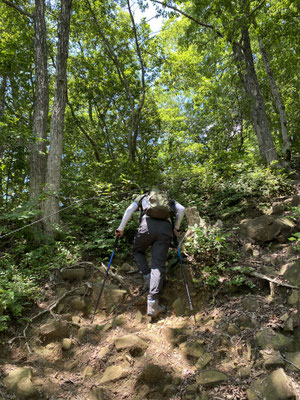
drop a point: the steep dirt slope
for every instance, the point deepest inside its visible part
(238, 345)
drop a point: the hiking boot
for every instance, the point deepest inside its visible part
(146, 282)
(154, 308)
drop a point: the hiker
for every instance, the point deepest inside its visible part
(156, 231)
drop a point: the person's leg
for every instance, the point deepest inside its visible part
(159, 255)
(142, 241)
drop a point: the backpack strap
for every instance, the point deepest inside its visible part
(173, 207)
(141, 206)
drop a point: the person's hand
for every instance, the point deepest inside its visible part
(176, 232)
(119, 233)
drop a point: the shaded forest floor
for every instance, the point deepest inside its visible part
(239, 344)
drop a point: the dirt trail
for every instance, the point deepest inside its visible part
(123, 355)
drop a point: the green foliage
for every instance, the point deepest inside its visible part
(17, 290)
(296, 237)
(214, 259)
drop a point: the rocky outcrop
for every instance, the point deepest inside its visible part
(267, 228)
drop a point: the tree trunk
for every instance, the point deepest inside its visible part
(2, 111)
(51, 204)
(278, 101)
(243, 56)
(41, 104)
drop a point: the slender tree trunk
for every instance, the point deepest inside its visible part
(51, 204)
(278, 101)
(41, 104)
(244, 59)
(2, 110)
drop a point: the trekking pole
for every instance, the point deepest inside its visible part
(184, 277)
(106, 275)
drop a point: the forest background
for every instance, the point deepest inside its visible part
(95, 107)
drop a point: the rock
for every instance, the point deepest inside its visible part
(76, 319)
(295, 201)
(266, 337)
(169, 390)
(278, 208)
(267, 228)
(131, 342)
(125, 267)
(88, 372)
(277, 386)
(272, 358)
(52, 352)
(113, 373)
(193, 217)
(244, 321)
(244, 372)
(248, 248)
(111, 296)
(142, 392)
(210, 378)
(169, 334)
(192, 388)
(291, 273)
(203, 361)
(178, 307)
(152, 374)
(78, 304)
(71, 274)
(19, 381)
(103, 352)
(232, 330)
(138, 317)
(84, 332)
(66, 344)
(119, 320)
(192, 349)
(54, 330)
(294, 358)
(250, 303)
(97, 394)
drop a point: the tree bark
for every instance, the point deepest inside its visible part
(51, 204)
(244, 60)
(2, 111)
(278, 101)
(41, 104)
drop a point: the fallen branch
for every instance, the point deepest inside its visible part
(267, 278)
(114, 275)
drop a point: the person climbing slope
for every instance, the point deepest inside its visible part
(156, 229)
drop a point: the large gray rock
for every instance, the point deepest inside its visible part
(71, 274)
(152, 374)
(111, 296)
(277, 386)
(291, 273)
(19, 381)
(77, 303)
(191, 349)
(211, 378)
(113, 373)
(267, 228)
(267, 338)
(130, 342)
(294, 358)
(54, 330)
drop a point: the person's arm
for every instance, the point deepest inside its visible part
(179, 216)
(126, 217)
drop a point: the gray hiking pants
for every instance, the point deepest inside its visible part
(156, 233)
